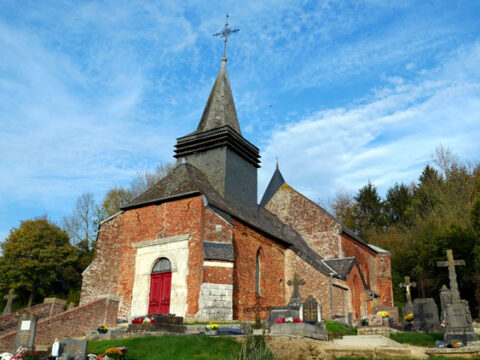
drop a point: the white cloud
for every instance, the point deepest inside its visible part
(387, 138)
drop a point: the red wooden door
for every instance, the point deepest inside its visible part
(160, 285)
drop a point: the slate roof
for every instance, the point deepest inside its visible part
(275, 183)
(218, 251)
(186, 180)
(342, 266)
(220, 108)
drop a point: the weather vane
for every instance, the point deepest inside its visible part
(225, 33)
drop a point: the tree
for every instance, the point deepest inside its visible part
(398, 201)
(112, 202)
(343, 206)
(143, 181)
(80, 225)
(368, 210)
(35, 256)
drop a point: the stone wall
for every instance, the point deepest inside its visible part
(71, 323)
(50, 307)
(317, 227)
(246, 243)
(112, 270)
(215, 302)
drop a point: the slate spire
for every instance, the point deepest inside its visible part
(275, 183)
(220, 109)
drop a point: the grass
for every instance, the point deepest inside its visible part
(419, 339)
(172, 347)
(336, 330)
(369, 358)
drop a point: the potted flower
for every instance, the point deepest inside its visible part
(364, 321)
(102, 329)
(455, 343)
(211, 329)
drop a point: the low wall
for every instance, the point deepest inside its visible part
(50, 307)
(71, 323)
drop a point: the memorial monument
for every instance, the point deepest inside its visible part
(457, 315)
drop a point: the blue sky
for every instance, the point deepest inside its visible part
(343, 92)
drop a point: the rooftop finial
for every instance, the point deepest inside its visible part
(225, 33)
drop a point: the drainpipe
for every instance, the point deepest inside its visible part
(331, 296)
(372, 296)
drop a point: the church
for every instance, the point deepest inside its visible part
(200, 245)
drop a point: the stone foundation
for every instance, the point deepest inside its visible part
(215, 302)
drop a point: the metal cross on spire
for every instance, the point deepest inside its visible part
(225, 33)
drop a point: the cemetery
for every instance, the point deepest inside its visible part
(383, 333)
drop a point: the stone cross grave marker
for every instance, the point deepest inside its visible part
(10, 297)
(451, 263)
(25, 336)
(457, 315)
(73, 349)
(257, 308)
(296, 282)
(407, 285)
(311, 310)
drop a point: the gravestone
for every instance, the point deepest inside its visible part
(296, 282)
(376, 320)
(457, 315)
(425, 312)
(73, 349)
(8, 307)
(445, 300)
(392, 311)
(25, 336)
(294, 307)
(312, 312)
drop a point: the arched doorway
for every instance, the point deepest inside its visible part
(160, 284)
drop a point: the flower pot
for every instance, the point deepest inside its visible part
(457, 345)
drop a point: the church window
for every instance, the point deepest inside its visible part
(257, 273)
(162, 265)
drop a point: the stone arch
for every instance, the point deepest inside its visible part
(171, 259)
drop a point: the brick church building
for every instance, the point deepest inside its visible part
(199, 245)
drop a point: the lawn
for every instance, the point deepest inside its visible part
(419, 339)
(172, 347)
(336, 330)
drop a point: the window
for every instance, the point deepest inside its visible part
(162, 265)
(257, 273)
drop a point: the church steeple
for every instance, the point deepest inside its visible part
(219, 150)
(220, 109)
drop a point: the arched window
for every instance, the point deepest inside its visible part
(257, 273)
(162, 265)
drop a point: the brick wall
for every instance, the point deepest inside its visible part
(50, 307)
(384, 280)
(246, 243)
(113, 267)
(217, 275)
(75, 322)
(317, 227)
(316, 283)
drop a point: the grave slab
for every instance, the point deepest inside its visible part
(318, 331)
(73, 349)
(25, 336)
